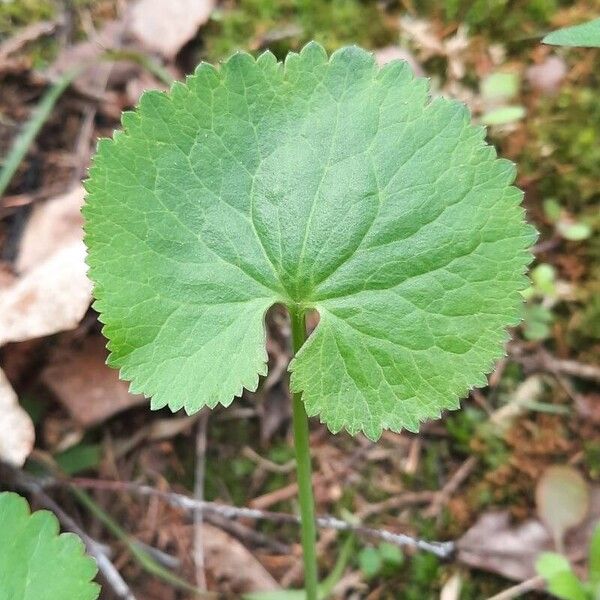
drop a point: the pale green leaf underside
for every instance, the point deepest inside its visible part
(583, 35)
(324, 183)
(35, 562)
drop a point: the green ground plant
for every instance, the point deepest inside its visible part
(562, 581)
(36, 562)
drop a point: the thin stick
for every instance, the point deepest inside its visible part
(145, 560)
(440, 549)
(201, 429)
(449, 489)
(308, 529)
(535, 583)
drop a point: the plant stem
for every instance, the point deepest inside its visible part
(303, 468)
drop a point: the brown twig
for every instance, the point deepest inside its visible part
(25, 36)
(199, 495)
(544, 361)
(535, 583)
(247, 535)
(441, 549)
(449, 489)
(397, 502)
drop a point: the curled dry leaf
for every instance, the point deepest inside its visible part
(165, 26)
(53, 291)
(498, 545)
(17, 434)
(563, 500)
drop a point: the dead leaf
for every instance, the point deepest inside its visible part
(53, 292)
(428, 43)
(562, 499)
(165, 26)
(494, 544)
(51, 225)
(51, 297)
(232, 565)
(17, 434)
(82, 382)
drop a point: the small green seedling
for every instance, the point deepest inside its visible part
(36, 562)
(380, 560)
(566, 226)
(560, 578)
(321, 184)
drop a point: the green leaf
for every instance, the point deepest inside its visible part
(537, 321)
(583, 35)
(594, 558)
(324, 184)
(79, 458)
(370, 561)
(36, 562)
(503, 115)
(575, 232)
(500, 86)
(560, 579)
(543, 278)
(391, 554)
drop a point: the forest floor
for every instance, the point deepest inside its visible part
(469, 478)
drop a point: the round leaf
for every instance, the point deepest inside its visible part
(324, 183)
(562, 498)
(35, 562)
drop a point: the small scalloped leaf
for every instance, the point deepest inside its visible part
(323, 183)
(35, 562)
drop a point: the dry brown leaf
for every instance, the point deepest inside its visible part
(428, 43)
(51, 297)
(17, 434)
(562, 498)
(165, 26)
(51, 225)
(495, 544)
(53, 292)
(89, 389)
(232, 565)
